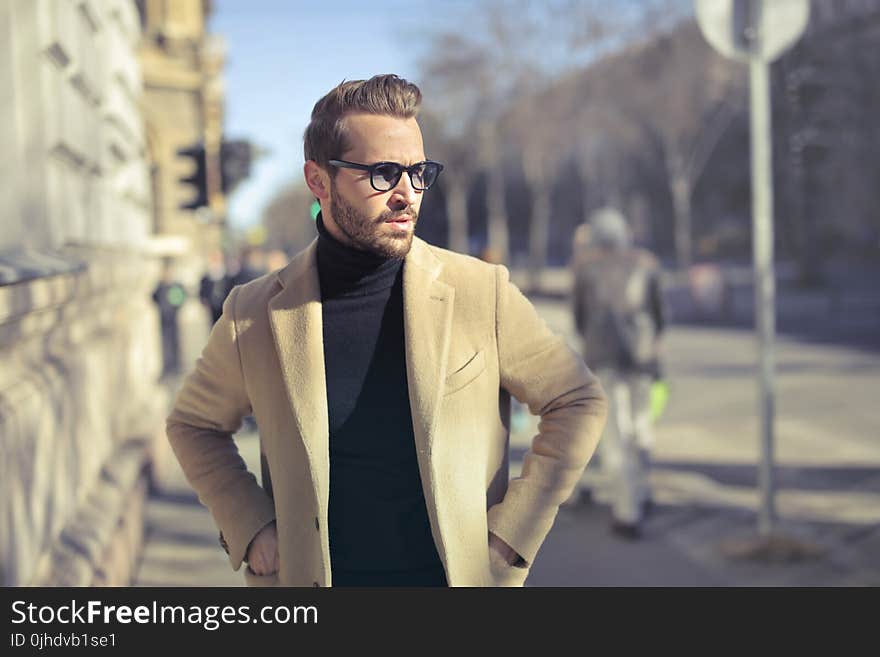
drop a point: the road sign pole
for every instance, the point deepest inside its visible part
(757, 32)
(764, 283)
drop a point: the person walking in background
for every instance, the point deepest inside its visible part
(214, 286)
(619, 312)
(252, 265)
(169, 296)
(380, 370)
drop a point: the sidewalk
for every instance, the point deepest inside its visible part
(181, 540)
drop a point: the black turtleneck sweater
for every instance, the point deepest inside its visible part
(379, 529)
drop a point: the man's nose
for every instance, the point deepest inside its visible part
(404, 193)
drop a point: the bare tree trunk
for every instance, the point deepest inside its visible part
(497, 219)
(456, 213)
(799, 236)
(539, 222)
(498, 235)
(586, 202)
(538, 235)
(681, 200)
(615, 198)
(587, 189)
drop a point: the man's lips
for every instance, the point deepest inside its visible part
(401, 224)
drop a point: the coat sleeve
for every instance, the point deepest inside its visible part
(541, 370)
(208, 409)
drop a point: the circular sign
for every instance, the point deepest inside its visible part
(746, 29)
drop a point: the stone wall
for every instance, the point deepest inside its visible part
(80, 410)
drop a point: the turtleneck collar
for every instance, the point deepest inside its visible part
(346, 271)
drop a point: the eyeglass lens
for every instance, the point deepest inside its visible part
(387, 176)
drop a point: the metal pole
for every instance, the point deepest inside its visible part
(762, 246)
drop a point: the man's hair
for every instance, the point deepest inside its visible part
(325, 137)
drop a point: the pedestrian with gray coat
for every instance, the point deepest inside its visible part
(619, 312)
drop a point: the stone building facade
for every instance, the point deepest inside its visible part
(80, 409)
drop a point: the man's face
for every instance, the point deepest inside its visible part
(379, 222)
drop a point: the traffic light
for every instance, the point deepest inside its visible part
(236, 157)
(198, 179)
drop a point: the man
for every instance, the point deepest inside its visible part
(214, 286)
(380, 369)
(251, 265)
(619, 311)
(169, 296)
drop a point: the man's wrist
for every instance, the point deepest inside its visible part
(510, 556)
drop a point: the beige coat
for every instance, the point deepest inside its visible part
(471, 340)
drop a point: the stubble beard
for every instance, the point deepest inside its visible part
(364, 232)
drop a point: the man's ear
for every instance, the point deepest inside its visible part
(317, 179)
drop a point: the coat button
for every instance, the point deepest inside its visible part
(316, 524)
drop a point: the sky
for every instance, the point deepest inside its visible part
(283, 55)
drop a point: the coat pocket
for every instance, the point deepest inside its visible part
(466, 373)
(251, 579)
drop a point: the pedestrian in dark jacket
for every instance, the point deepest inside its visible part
(169, 296)
(214, 287)
(251, 266)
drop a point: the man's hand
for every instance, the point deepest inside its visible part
(505, 552)
(262, 553)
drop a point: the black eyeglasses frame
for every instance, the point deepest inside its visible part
(343, 164)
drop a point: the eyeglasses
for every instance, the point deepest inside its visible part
(384, 176)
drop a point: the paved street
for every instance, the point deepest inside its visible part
(828, 449)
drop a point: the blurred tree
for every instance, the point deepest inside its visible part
(827, 103)
(461, 77)
(457, 154)
(538, 128)
(489, 87)
(681, 96)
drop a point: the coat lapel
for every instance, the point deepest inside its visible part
(295, 316)
(427, 319)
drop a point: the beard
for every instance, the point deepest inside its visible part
(366, 233)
